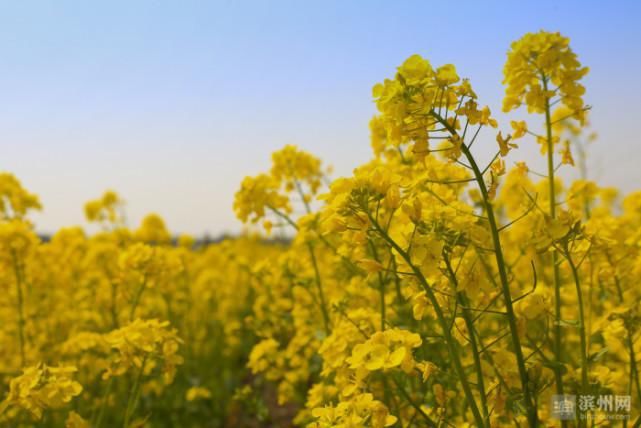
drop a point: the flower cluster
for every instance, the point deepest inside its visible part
(41, 387)
(419, 102)
(269, 196)
(442, 283)
(541, 66)
(106, 209)
(141, 341)
(15, 200)
(433, 289)
(128, 323)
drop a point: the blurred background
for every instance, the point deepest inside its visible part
(172, 103)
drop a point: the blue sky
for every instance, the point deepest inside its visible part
(172, 103)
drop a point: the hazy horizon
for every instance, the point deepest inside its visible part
(172, 104)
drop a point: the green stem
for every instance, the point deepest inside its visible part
(321, 293)
(634, 370)
(507, 296)
(136, 301)
(555, 259)
(20, 307)
(382, 299)
(301, 194)
(284, 217)
(381, 288)
(321, 238)
(319, 285)
(114, 310)
(452, 345)
(500, 261)
(584, 343)
(416, 406)
(467, 317)
(103, 405)
(134, 394)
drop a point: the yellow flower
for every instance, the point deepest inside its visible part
(197, 393)
(17, 239)
(417, 100)
(153, 230)
(504, 144)
(186, 241)
(140, 341)
(370, 266)
(498, 167)
(256, 196)
(74, 420)
(420, 304)
(534, 305)
(107, 209)
(293, 167)
(540, 66)
(261, 355)
(414, 70)
(566, 154)
(446, 75)
(427, 369)
(385, 350)
(519, 127)
(15, 200)
(42, 387)
(357, 411)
